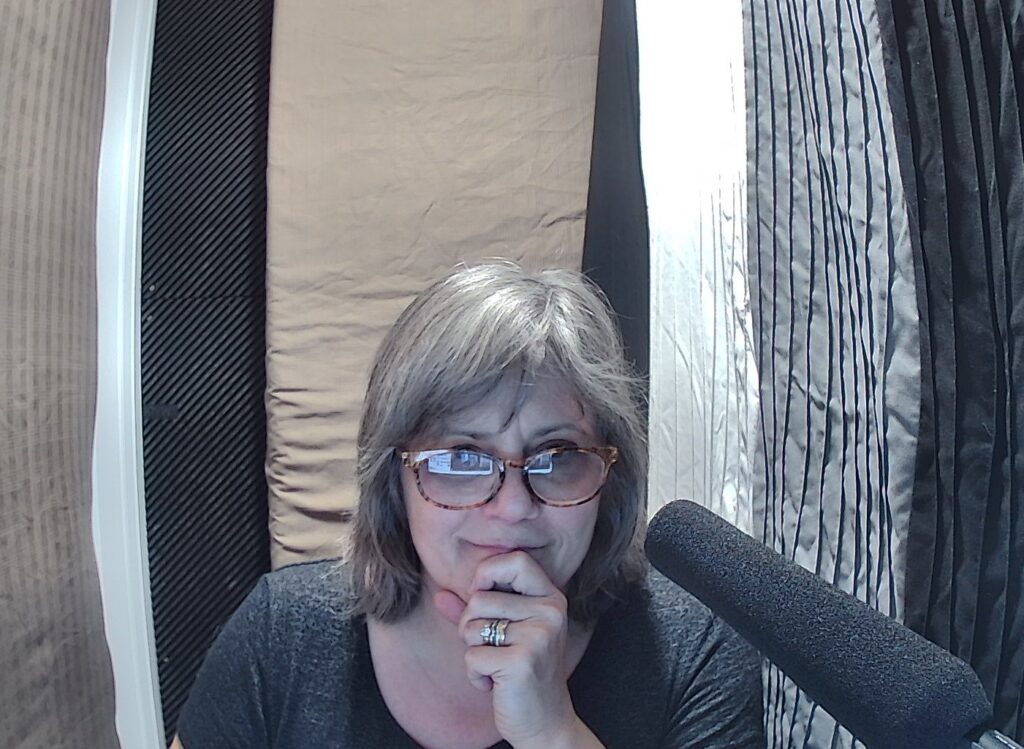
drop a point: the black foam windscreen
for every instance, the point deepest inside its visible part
(888, 685)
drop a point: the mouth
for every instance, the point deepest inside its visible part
(495, 549)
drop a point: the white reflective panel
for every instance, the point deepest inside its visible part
(693, 143)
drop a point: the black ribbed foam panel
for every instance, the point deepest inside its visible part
(203, 305)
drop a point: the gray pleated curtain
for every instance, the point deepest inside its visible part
(834, 315)
(886, 223)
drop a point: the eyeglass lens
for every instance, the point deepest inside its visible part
(465, 477)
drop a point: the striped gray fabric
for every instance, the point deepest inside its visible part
(56, 686)
(835, 317)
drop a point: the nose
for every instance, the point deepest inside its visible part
(513, 502)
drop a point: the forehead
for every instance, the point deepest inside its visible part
(525, 407)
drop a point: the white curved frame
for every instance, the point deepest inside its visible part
(119, 519)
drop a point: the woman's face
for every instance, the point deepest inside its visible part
(452, 543)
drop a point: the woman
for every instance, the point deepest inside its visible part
(495, 592)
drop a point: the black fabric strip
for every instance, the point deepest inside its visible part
(203, 304)
(955, 88)
(616, 241)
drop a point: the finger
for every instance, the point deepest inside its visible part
(491, 605)
(516, 633)
(450, 606)
(515, 572)
(497, 664)
(477, 631)
(483, 664)
(483, 683)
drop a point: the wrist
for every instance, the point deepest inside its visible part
(574, 735)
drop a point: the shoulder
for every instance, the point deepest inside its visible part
(687, 620)
(278, 661)
(308, 600)
(668, 600)
(291, 611)
(712, 675)
(656, 621)
(660, 603)
(299, 628)
(321, 583)
(684, 633)
(692, 680)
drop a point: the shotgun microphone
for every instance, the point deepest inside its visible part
(892, 688)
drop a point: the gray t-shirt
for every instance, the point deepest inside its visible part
(290, 671)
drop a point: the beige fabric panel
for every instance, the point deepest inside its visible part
(404, 137)
(56, 683)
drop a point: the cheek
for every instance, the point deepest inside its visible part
(409, 490)
(417, 509)
(577, 532)
(414, 513)
(585, 520)
(429, 526)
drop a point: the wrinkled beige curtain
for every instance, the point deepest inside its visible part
(404, 138)
(56, 685)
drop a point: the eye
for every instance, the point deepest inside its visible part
(466, 456)
(460, 462)
(543, 462)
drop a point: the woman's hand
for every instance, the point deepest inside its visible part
(528, 674)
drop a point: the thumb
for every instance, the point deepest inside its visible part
(449, 605)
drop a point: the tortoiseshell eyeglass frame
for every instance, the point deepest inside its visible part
(415, 458)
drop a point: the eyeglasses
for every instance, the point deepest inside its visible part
(463, 478)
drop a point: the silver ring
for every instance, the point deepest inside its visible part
(493, 632)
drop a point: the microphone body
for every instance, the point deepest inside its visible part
(892, 688)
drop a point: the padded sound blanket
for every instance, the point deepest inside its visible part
(56, 681)
(401, 143)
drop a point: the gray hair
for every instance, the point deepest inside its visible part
(453, 345)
